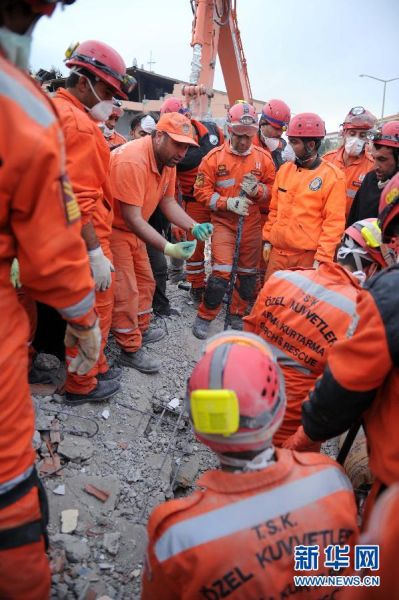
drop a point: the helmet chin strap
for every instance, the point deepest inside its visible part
(261, 461)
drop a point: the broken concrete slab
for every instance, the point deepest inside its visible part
(76, 449)
(111, 542)
(188, 472)
(76, 549)
(69, 520)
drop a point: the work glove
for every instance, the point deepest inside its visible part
(267, 248)
(239, 205)
(316, 264)
(14, 274)
(101, 268)
(202, 231)
(178, 234)
(249, 185)
(88, 341)
(300, 442)
(182, 250)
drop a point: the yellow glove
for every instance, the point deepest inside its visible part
(182, 250)
(267, 248)
(89, 345)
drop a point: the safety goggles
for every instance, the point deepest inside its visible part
(184, 111)
(266, 120)
(128, 83)
(376, 136)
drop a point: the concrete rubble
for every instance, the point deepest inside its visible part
(143, 454)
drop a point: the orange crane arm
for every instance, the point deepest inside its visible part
(215, 32)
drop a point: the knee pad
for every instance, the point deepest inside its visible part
(216, 288)
(247, 286)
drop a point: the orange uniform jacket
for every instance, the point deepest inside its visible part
(87, 163)
(362, 379)
(302, 313)
(307, 210)
(236, 536)
(354, 173)
(221, 173)
(40, 225)
(114, 140)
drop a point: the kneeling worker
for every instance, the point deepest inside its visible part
(240, 529)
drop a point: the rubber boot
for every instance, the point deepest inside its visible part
(200, 328)
(155, 334)
(113, 372)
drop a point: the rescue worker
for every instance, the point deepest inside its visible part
(362, 376)
(353, 157)
(383, 532)
(143, 176)
(273, 122)
(97, 74)
(385, 151)
(301, 313)
(234, 180)
(236, 534)
(306, 217)
(112, 137)
(40, 226)
(141, 125)
(208, 136)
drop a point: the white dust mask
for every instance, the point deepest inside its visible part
(271, 143)
(354, 146)
(16, 46)
(107, 131)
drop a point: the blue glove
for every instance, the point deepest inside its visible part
(202, 231)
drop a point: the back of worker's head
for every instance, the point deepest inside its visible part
(388, 218)
(236, 396)
(360, 249)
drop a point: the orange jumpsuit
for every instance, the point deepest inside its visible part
(135, 180)
(354, 173)
(114, 140)
(88, 168)
(40, 225)
(307, 216)
(301, 313)
(361, 379)
(383, 530)
(219, 177)
(236, 535)
(186, 173)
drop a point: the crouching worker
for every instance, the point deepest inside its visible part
(237, 534)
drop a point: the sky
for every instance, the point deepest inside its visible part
(309, 53)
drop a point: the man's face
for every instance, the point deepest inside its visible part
(240, 143)
(361, 134)
(103, 91)
(112, 121)
(137, 132)
(271, 131)
(299, 147)
(168, 152)
(385, 164)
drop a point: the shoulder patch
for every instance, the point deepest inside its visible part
(214, 140)
(72, 210)
(315, 184)
(200, 180)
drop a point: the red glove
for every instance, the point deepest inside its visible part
(178, 234)
(300, 442)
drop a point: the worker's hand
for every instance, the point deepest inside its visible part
(267, 248)
(88, 341)
(249, 185)
(202, 231)
(239, 205)
(178, 234)
(300, 442)
(182, 250)
(101, 268)
(316, 264)
(14, 274)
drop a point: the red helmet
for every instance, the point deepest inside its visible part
(359, 118)
(46, 7)
(306, 125)
(104, 62)
(388, 135)
(389, 203)
(241, 364)
(242, 119)
(276, 112)
(363, 241)
(172, 105)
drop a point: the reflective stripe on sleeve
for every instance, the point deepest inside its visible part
(122, 329)
(351, 193)
(9, 485)
(318, 291)
(286, 361)
(80, 308)
(222, 268)
(242, 270)
(145, 312)
(225, 183)
(16, 92)
(213, 201)
(247, 513)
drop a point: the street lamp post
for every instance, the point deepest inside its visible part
(384, 81)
